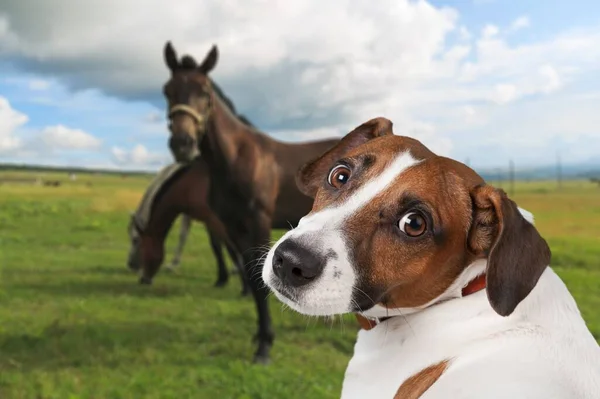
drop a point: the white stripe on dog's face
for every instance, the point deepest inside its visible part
(322, 232)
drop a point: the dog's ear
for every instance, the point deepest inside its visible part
(309, 175)
(516, 253)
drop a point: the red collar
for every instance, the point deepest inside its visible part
(475, 285)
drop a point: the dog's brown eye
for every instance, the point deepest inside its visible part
(339, 176)
(412, 224)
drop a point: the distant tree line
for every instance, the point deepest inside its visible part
(62, 169)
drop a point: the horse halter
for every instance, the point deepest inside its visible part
(200, 119)
(188, 110)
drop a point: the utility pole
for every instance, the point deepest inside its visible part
(558, 170)
(499, 171)
(511, 177)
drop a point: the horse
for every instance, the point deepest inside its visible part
(186, 220)
(177, 189)
(252, 176)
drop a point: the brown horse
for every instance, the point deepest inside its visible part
(252, 176)
(186, 221)
(183, 190)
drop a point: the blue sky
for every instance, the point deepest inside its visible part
(117, 123)
(484, 80)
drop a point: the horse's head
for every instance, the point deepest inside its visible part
(146, 252)
(189, 101)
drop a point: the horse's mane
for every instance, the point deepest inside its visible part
(155, 191)
(217, 89)
(188, 63)
(168, 183)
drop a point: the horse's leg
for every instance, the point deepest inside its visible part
(238, 262)
(234, 269)
(223, 275)
(186, 222)
(250, 248)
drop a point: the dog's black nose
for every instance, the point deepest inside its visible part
(296, 265)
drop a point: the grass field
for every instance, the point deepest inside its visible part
(74, 323)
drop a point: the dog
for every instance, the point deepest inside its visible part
(448, 278)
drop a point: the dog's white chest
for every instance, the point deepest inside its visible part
(526, 356)
(372, 378)
(383, 359)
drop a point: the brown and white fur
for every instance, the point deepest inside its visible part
(395, 236)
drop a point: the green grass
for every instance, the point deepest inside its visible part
(74, 323)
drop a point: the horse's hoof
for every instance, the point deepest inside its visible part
(145, 280)
(221, 283)
(262, 359)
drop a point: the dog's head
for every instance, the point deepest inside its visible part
(394, 226)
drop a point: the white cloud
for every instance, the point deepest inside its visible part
(330, 53)
(533, 132)
(138, 156)
(545, 81)
(551, 78)
(469, 113)
(64, 138)
(351, 61)
(10, 121)
(39, 84)
(309, 135)
(505, 93)
(16, 140)
(490, 31)
(520, 23)
(427, 134)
